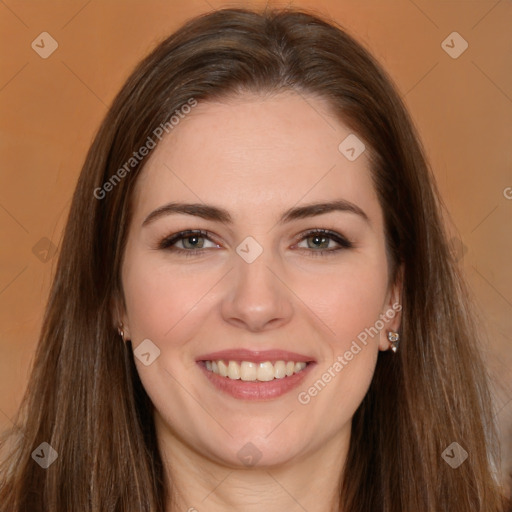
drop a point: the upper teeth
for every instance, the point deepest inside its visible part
(254, 371)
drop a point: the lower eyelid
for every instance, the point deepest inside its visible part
(338, 246)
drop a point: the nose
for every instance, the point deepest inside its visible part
(257, 297)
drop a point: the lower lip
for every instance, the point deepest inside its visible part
(256, 390)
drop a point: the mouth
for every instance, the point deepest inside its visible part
(253, 375)
(249, 371)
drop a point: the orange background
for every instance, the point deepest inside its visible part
(51, 108)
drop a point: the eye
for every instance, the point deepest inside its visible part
(321, 242)
(192, 241)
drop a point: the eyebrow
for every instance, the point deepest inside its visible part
(214, 213)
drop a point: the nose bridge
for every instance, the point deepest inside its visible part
(256, 275)
(256, 296)
(255, 272)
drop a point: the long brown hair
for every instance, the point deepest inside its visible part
(84, 396)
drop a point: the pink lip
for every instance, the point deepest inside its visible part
(256, 356)
(255, 390)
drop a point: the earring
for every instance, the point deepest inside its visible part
(120, 330)
(394, 340)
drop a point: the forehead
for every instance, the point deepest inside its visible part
(256, 154)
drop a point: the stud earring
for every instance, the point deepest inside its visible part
(120, 330)
(394, 340)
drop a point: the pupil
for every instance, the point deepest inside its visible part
(319, 240)
(193, 240)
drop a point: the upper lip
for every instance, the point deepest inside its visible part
(257, 356)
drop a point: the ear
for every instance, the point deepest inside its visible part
(392, 310)
(119, 316)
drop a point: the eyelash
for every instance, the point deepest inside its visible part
(168, 241)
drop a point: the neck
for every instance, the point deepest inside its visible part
(309, 481)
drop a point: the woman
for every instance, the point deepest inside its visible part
(255, 306)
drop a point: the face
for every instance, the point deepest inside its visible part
(264, 283)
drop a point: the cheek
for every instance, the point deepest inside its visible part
(347, 299)
(158, 298)
(349, 303)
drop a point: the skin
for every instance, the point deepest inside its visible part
(256, 156)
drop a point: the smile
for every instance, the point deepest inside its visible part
(254, 374)
(251, 371)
